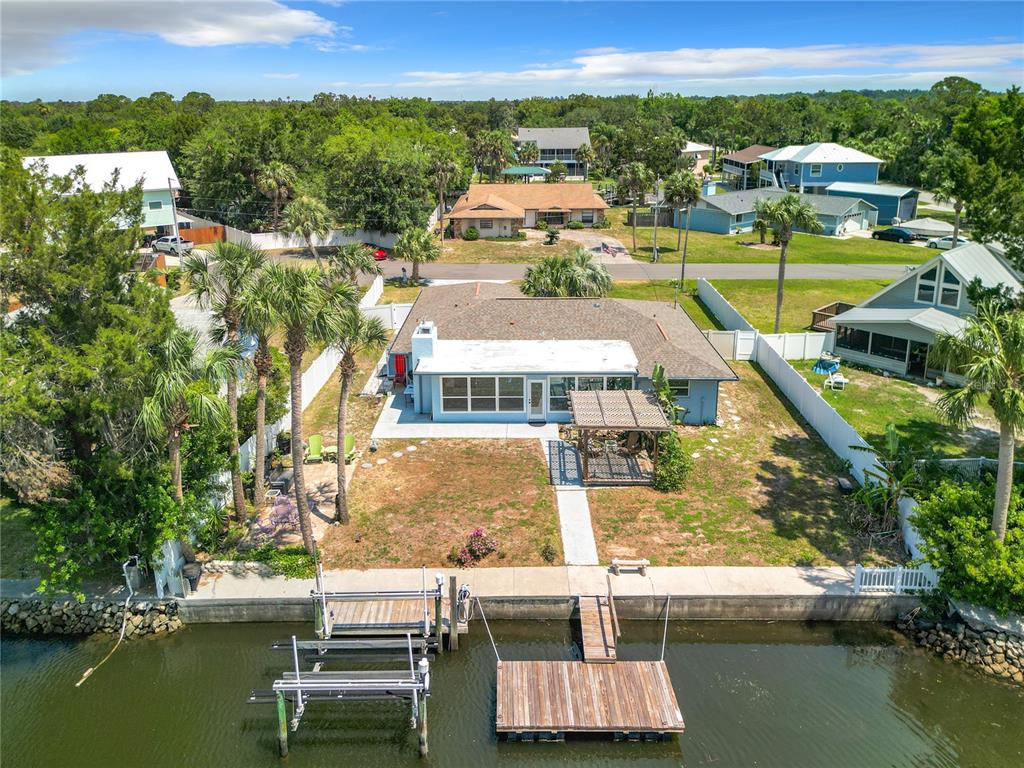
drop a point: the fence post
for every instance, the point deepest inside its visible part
(858, 575)
(899, 579)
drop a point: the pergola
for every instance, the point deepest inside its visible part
(616, 411)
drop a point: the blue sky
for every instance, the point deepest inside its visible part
(241, 49)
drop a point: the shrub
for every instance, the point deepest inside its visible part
(574, 225)
(600, 224)
(541, 225)
(173, 277)
(291, 562)
(478, 546)
(471, 233)
(552, 237)
(955, 523)
(674, 463)
(548, 552)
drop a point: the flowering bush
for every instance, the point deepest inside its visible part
(479, 546)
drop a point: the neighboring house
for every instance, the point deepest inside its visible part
(732, 212)
(556, 144)
(736, 166)
(500, 210)
(485, 352)
(894, 330)
(892, 202)
(153, 169)
(701, 154)
(813, 167)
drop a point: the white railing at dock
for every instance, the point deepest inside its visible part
(894, 581)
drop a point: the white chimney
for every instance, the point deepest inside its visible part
(423, 339)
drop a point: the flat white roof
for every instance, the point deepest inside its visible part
(154, 168)
(532, 356)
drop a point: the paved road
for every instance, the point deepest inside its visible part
(642, 271)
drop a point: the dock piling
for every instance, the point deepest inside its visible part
(424, 666)
(282, 725)
(438, 616)
(453, 614)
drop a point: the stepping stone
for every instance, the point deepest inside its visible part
(423, 442)
(381, 461)
(735, 418)
(366, 465)
(397, 455)
(695, 455)
(410, 448)
(714, 439)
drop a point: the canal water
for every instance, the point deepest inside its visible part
(781, 694)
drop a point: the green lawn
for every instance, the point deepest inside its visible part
(706, 247)
(755, 299)
(17, 543)
(396, 293)
(871, 400)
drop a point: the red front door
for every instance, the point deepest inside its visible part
(400, 368)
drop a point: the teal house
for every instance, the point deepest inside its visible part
(734, 212)
(812, 167)
(153, 170)
(892, 201)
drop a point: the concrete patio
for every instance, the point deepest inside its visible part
(398, 421)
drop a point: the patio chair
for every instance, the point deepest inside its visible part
(350, 448)
(331, 453)
(314, 451)
(836, 382)
(633, 444)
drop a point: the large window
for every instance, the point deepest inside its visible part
(926, 286)
(482, 394)
(587, 217)
(679, 387)
(891, 347)
(486, 223)
(852, 338)
(589, 383)
(950, 294)
(619, 382)
(454, 393)
(815, 169)
(558, 392)
(155, 205)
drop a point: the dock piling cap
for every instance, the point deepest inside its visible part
(439, 579)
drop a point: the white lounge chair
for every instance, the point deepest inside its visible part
(836, 381)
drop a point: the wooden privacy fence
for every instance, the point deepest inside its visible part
(204, 235)
(893, 581)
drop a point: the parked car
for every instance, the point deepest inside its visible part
(148, 240)
(896, 234)
(945, 243)
(172, 244)
(378, 253)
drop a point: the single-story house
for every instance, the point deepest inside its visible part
(160, 185)
(557, 145)
(892, 201)
(732, 212)
(486, 352)
(500, 210)
(701, 154)
(736, 166)
(894, 330)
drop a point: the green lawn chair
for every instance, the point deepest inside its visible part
(350, 448)
(314, 453)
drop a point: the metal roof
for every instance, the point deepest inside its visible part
(820, 152)
(530, 356)
(891, 190)
(930, 319)
(617, 409)
(153, 168)
(743, 201)
(972, 260)
(555, 138)
(525, 170)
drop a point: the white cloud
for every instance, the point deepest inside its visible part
(281, 75)
(600, 50)
(34, 32)
(610, 66)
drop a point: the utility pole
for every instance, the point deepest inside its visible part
(174, 205)
(654, 210)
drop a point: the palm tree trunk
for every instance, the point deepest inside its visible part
(341, 499)
(174, 448)
(298, 476)
(259, 455)
(415, 272)
(314, 251)
(233, 453)
(634, 224)
(958, 206)
(1004, 479)
(440, 217)
(686, 242)
(679, 230)
(784, 246)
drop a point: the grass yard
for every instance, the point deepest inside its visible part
(486, 251)
(396, 293)
(706, 247)
(763, 493)
(414, 510)
(17, 542)
(664, 290)
(871, 400)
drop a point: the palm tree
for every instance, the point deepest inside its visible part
(184, 393)
(528, 153)
(760, 226)
(276, 180)
(352, 259)
(635, 179)
(786, 214)
(309, 311)
(257, 319)
(308, 217)
(359, 334)
(217, 280)
(585, 155)
(418, 246)
(951, 176)
(682, 190)
(443, 169)
(576, 274)
(989, 354)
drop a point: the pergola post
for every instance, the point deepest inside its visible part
(585, 453)
(654, 454)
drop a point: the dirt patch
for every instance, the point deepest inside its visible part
(760, 246)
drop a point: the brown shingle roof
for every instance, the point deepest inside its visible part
(528, 197)
(750, 154)
(657, 332)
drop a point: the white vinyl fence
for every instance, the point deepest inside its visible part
(841, 438)
(373, 293)
(894, 581)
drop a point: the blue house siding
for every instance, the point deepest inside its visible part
(702, 404)
(889, 206)
(157, 209)
(716, 221)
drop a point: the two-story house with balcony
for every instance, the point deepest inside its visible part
(895, 329)
(813, 167)
(557, 144)
(153, 170)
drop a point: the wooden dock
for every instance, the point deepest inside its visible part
(379, 617)
(543, 698)
(597, 629)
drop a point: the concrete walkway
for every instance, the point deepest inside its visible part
(398, 421)
(578, 544)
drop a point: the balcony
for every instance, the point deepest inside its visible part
(823, 318)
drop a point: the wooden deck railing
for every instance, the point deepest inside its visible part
(822, 317)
